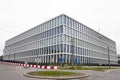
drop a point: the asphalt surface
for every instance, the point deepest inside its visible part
(12, 72)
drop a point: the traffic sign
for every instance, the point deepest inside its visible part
(61, 60)
(76, 61)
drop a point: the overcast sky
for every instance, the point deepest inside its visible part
(17, 16)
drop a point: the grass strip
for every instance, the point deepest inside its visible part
(51, 73)
(88, 68)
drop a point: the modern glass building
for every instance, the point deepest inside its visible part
(60, 37)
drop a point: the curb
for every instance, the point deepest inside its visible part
(58, 77)
(32, 66)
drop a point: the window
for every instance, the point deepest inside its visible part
(70, 31)
(50, 24)
(49, 50)
(57, 39)
(52, 49)
(77, 26)
(50, 31)
(53, 31)
(60, 20)
(67, 30)
(61, 39)
(67, 40)
(61, 47)
(68, 49)
(65, 47)
(67, 21)
(47, 33)
(70, 22)
(50, 41)
(55, 49)
(53, 40)
(64, 38)
(57, 30)
(64, 19)
(46, 26)
(58, 50)
(60, 29)
(53, 23)
(55, 20)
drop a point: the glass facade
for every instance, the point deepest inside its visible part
(61, 36)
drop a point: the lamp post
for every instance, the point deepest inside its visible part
(108, 57)
(72, 50)
(14, 55)
(8, 53)
(37, 60)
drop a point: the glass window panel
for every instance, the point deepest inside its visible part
(70, 22)
(55, 39)
(61, 47)
(60, 20)
(64, 19)
(52, 23)
(64, 38)
(67, 40)
(57, 30)
(52, 49)
(65, 47)
(61, 29)
(59, 39)
(53, 31)
(75, 27)
(58, 50)
(73, 24)
(55, 50)
(67, 21)
(47, 33)
(50, 41)
(49, 50)
(55, 22)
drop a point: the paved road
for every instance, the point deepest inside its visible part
(99, 75)
(12, 72)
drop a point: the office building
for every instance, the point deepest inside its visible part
(61, 36)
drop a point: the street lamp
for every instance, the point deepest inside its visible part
(108, 57)
(72, 47)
